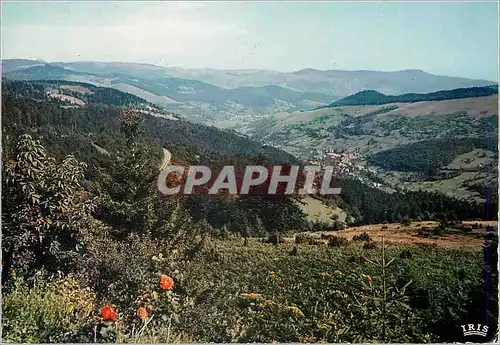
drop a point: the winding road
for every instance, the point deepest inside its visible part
(162, 176)
(167, 156)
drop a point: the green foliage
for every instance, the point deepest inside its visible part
(304, 239)
(338, 300)
(274, 239)
(129, 203)
(368, 205)
(406, 222)
(362, 237)
(56, 310)
(337, 241)
(45, 211)
(444, 291)
(430, 154)
(369, 245)
(321, 226)
(223, 291)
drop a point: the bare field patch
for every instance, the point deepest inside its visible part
(476, 106)
(66, 98)
(317, 210)
(77, 88)
(398, 234)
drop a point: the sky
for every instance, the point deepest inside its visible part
(446, 38)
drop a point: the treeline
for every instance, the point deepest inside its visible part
(372, 97)
(369, 205)
(428, 155)
(95, 94)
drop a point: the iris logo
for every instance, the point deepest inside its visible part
(472, 329)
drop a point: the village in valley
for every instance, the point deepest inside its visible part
(345, 163)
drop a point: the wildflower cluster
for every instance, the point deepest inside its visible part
(109, 314)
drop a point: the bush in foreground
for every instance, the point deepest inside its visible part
(51, 311)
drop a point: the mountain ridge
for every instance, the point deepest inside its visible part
(217, 96)
(373, 97)
(203, 74)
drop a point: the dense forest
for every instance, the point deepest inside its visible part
(429, 155)
(369, 205)
(372, 97)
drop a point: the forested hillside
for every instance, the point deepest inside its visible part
(428, 155)
(372, 97)
(66, 130)
(27, 106)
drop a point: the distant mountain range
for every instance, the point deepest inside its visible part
(211, 93)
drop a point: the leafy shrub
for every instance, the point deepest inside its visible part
(319, 226)
(437, 231)
(274, 239)
(338, 225)
(305, 239)
(405, 254)
(46, 213)
(362, 237)
(337, 241)
(406, 222)
(52, 311)
(369, 245)
(424, 233)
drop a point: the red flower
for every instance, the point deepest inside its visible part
(166, 282)
(142, 313)
(108, 313)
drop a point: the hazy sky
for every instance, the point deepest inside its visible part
(459, 39)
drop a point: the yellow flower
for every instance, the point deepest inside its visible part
(367, 277)
(273, 274)
(268, 304)
(323, 327)
(249, 295)
(295, 310)
(307, 339)
(154, 295)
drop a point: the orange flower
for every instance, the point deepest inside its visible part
(108, 313)
(142, 313)
(369, 278)
(166, 282)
